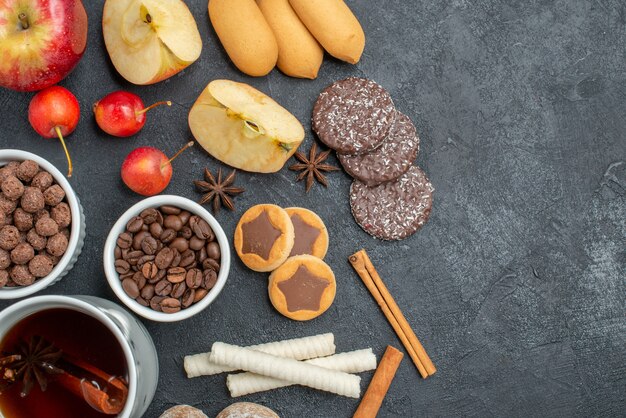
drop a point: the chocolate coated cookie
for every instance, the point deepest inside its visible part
(389, 161)
(394, 210)
(353, 116)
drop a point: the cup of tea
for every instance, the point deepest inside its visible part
(74, 356)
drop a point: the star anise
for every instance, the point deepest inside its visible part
(312, 167)
(33, 362)
(219, 191)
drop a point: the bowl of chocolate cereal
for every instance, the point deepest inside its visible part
(166, 258)
(42, 226)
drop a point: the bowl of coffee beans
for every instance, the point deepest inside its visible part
(167, 258)
(42, 226)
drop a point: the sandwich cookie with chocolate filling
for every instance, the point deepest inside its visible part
(302, 288)
(311, 234)
(264, 237)
(394, 210)
(353, 116)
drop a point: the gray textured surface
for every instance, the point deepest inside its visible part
(515, 286)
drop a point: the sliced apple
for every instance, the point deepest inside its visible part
(150, 40)
(244, 127)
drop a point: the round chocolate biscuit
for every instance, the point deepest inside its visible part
(353, 116)
(394, 210)
(389, 161)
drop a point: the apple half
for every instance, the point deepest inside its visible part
(244, 127)
(150, 40)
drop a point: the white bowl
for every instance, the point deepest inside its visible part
(77, 230)
(120, 226)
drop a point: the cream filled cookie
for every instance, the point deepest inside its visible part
(264, 237)
(311, 236)
(302, 288)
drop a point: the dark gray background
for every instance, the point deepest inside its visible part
(515, 286)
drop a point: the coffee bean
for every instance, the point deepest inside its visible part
(130, 287)
(163, 288)
(138, 238)
(164, 258)
(147, 292)
(176, 274)
(201, 228)
(156, 230)
(149, 216)
(213, 250)
(144, 259)
(128, 275)
(133, 257)
(140, 280)
(184, 216)
(167, 236)
(117, 252)
(187, 258)
(196, 243)
(145, 227)
(125, 240)
(149, 270)
(155, 303)
(170, 305)
(173, 222)
(178, 290)
(181, 244)
(149, 245)
(193, 278)
(209, 263)
(186, 232)
(135, 224)
(161, 274)
(188, 298)
(200, 294)
(170, 210)
(142, 301)
(122, 266)
(209, 279)
(202, 255)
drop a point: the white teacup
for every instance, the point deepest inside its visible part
(134, 339)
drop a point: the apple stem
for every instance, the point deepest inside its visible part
(148, 18)
(67, 154)
(23, 20)
(139, 112)
(187, 145)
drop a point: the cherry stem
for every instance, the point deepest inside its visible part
(139, 112)
(180, 151)
(23, 20)
(67, 154)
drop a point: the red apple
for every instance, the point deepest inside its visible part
(147, 170)
(54, 113)
(41, 41)
(122, 113)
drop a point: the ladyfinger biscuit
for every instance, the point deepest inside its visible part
(299, 54)
(245, 35)
(334, 26)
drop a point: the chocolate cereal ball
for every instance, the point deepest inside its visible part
(22, 254)
(57, 244)
(40, 266)
(43, 213)
(3, 218)
(4, 278)
(32, 200)
(37, 241)
(53, 195)
(9, 170)
(22, 219)
(27, 170)
(7, 206)
(46, 227)
(9, 237)
(22, 276)
(12, 188)
(5, 259)
(42, 180)
(61, 214)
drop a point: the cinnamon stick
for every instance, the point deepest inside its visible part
(368, 274)
(377, 390)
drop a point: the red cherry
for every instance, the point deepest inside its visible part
(122, 113)
(147, 170)
(54, 113)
